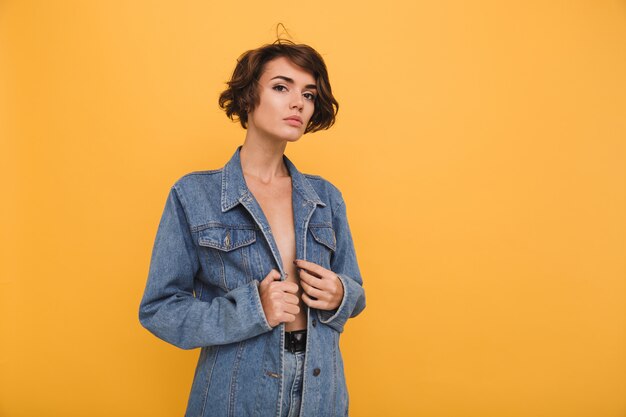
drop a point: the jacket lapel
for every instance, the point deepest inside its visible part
(304, 200)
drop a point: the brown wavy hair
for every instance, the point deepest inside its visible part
(242, 95)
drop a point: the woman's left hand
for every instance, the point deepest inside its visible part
(320, 283)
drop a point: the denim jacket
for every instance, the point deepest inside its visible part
(213, 247)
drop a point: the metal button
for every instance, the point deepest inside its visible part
(316, 371)
(227, 240)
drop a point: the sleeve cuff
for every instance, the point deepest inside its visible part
(257, 301)
(326, 316)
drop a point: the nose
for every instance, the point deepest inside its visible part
(297, 101)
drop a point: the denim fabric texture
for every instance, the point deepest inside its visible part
(294, 367)
(213, 247)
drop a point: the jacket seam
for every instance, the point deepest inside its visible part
(214, 224)
(260, 306)
(223, 284)
(181, 199)
(334, 391)
(337, 206)
(208, 385)
(233, 381)
(203, 172)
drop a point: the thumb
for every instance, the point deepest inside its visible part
(274, 275)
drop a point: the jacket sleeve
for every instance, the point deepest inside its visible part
(169, 309)
(344, 263)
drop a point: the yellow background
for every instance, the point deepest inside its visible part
(480, 147)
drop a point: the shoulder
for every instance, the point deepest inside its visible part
(197, 187)
(198, 179)
(200, 175)
(328, 192)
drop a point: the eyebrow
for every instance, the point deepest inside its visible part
(290, 81)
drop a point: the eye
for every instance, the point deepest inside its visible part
(309, 96)
(278, 87)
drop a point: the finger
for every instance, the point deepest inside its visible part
(283, 286)
(312, 303)
(290, 298)
(292, 309)
(290, 287)
(312, 291)
(288, 317)
(272, 276)
(312, 280)
(312, 268)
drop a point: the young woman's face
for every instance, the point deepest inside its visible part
(286, 91)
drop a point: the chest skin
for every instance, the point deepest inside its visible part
(275, 200)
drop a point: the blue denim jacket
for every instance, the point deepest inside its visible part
(213, 247)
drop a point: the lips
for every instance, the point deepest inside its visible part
(294, 120)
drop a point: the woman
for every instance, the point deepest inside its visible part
(254, 262)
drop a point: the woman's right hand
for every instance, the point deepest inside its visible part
(279, 299)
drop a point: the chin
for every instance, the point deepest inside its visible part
(292, 136)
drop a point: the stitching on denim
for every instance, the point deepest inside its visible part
(233, 379)
(260, 307)
(294, 384)
(224, 182)
(179, 195)
(281, 326)
(326, 182)
(203, 172)
(276, 257)
(246, 264)
(334, 391)
(312, 196)
(320, 224)
(305, 226)
(320, 238)
(212, 244)
(266, 358)
(308, 318)
(305, 196)
(313, 176)
(208, 385)
(342, 202)
(256, 263)
(216, 224)
(222, 278)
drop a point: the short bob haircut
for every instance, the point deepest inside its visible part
(242, 95)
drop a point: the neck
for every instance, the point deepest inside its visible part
(263, 161)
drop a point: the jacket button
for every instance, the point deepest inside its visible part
(314, 322)
(316, 371)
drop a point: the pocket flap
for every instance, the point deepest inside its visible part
(226, 238)
(324, 235)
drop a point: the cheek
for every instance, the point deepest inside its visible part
(262, 116)
(309, 108)
(271, 110)
(309, 112)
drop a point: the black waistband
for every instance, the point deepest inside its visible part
(295, 341)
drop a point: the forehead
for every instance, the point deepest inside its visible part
(283, 66)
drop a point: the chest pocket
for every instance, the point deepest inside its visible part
(228, 254)
(324, 243)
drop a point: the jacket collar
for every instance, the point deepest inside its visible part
(234, 188)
